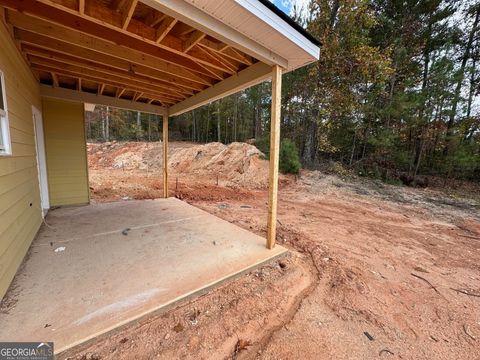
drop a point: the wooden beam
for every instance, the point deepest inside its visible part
(38, 62)
(165, 26)
(54, 79)
(233, 68)
(274, 155)
(192, 40)
(120, 92)
(66, 62)
(84, 97)
(73, 74)
(127, 10)
(154, 18)
(165, 154)
(101, 19)
(46, 29)
(73, 28)
(43, 46)
(79, 84)
(227, 52)
(101, 87)
(81, 7)
(242, 80)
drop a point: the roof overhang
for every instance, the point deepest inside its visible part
(153, 54)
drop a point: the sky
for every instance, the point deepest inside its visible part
(287, 5)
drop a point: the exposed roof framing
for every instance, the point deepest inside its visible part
(120, 48)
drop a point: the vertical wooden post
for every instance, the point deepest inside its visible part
(165, 154)
(274, 155)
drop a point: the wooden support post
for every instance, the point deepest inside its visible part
(274, 155)
(165, 154)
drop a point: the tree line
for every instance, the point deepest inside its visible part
(394, 95)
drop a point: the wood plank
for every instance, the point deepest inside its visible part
(38, 26)
(73, 28)
(54, 79)
(103, 22)
(94, 75)
(165, 154)
(101, 87)
(274, 155)
(233, 68)
(84, 97)
(192, 40)
(154, 18)
(81, 7)
(165, 26)
(127, 10)
(39, 57)
(38, 45)
(242, 80)
(226, 51)
(120, 92)
(99, 79)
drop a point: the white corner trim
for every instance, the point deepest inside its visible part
(280, 25)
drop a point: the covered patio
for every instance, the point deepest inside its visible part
(160, 56)
(98, 267)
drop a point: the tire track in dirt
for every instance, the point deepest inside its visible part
(315, 272)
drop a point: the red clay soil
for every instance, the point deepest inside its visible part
(374, 271)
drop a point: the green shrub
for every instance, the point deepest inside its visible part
(263, 144)
(289, 159)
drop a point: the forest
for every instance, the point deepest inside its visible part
(395, 94)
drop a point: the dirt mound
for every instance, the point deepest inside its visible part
(236, 164)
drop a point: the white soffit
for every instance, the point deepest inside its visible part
(262, 26)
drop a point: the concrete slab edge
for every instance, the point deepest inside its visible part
(85, 342)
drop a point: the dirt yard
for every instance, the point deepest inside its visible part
(374, 271)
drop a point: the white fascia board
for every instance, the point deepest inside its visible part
(280, 25)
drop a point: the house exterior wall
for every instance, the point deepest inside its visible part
(20, 209)
(66, 152)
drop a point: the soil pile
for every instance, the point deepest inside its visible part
(236, 164)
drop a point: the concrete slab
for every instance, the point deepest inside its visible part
(104, 278)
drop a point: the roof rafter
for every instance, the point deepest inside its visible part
(165, 26)
(127, 9)
(101, 87)
(47, 57)
(72, 95)
(81, 7)
(100, 79)
(192, 40)
(99, 19)
(54, 79)
(39, 26)
(143, 39)
(37, 44)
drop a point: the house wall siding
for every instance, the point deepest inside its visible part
(20, 208)
(64, 127)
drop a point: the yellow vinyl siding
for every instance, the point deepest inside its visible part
(20, 210)
(66, 152)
